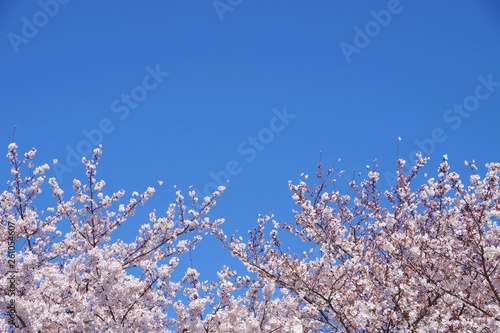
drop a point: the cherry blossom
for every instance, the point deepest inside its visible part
(393, 261)
(423, 256)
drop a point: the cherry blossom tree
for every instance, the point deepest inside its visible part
(395, 261)
(403, 260)
(80, 281)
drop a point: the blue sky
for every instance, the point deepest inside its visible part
(254, 91)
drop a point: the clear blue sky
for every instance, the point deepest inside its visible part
(351, 76)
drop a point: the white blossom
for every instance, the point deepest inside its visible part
(12, 146)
